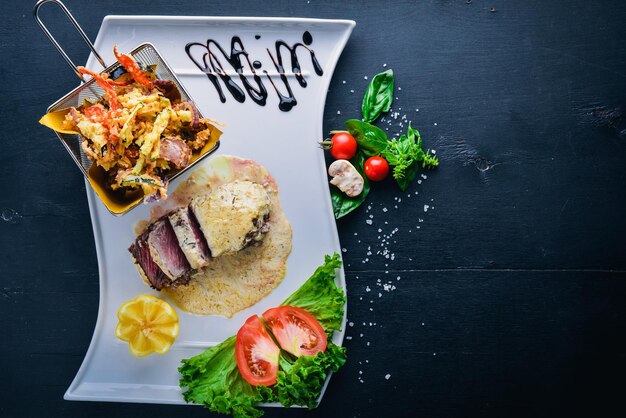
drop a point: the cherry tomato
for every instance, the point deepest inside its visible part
(343, 146)
(296, 330)
(256, 353)
(376, 168)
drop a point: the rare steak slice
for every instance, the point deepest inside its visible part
(190, 238)
(148, 269)
(166, 252)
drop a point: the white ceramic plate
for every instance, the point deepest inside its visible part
(284, 142)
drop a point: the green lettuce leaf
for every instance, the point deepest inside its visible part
(300, 380)
(320, 297)
(212, 378)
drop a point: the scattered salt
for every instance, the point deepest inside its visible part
(387, 376)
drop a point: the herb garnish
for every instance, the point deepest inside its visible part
(404, 154)
(378, 96)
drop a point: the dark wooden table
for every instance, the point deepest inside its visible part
(511, 300)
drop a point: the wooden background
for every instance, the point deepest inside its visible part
(512, 291)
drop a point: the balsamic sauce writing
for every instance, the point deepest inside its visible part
(216, 61)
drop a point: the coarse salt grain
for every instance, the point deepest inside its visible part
(387, 376)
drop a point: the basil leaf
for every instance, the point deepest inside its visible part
(371, 139)
(344, 204)
(414, 136)
(409, 175)
(378, 96)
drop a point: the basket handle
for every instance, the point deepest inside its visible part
(54, 41)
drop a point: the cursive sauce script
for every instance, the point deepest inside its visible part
(216, 62)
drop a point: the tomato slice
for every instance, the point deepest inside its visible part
(296, 330)
(256, 353)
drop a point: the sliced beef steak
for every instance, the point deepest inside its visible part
(190, 238)
(148, 269)
(166, 251)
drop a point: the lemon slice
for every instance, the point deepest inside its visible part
(148, 324)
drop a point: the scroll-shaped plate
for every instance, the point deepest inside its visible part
(281, 134)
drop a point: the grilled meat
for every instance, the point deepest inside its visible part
(232, 216)
(190, 237)
(225, 221)
(166, 252)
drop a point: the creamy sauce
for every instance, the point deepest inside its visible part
(230, 283)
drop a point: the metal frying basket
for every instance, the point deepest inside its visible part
(145, 54)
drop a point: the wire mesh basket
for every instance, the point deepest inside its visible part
(146, 55)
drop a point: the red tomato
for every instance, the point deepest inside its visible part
(343, 146)
(376, 168)
(296, 330)
(256, 353)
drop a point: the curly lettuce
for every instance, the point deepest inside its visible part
(300, 381)
(320, 297)
(212, 378)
